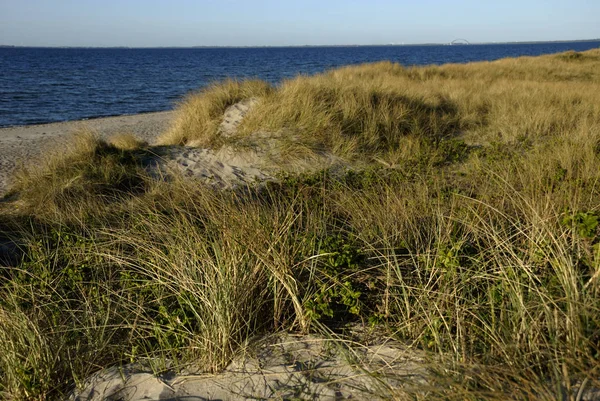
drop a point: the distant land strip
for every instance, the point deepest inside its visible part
(300, 46)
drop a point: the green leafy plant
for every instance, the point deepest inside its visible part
(338, 294)
(585, 224)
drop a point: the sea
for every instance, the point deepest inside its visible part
(42, 85)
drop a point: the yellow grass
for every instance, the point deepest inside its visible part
(198, 117)
(126, 141)
(370, 109)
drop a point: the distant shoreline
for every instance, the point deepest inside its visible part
(300, 46)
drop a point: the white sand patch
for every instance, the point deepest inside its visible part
(223, 169)
(281, 367)
(234, 115)
(257, 160)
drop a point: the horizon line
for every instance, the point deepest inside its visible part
(297, 46)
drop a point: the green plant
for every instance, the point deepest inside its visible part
(585, 224)
(338, 292)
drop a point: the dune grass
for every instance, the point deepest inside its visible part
(199, 115)
(470, 231)
(126, 141)
(371, 110)
(77, 179)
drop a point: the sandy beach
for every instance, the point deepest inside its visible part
(26, 143)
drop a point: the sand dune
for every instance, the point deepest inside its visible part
(222, 168)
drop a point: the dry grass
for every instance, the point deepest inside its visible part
(126, 141)
(471, 232)
(198, 117)
(87, 174)
(371, 109)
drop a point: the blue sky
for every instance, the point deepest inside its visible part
(147, 23)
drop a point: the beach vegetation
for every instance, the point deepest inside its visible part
(199, 115)
(126, 141)
(464, 223)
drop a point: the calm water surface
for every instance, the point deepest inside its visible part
(39, 85)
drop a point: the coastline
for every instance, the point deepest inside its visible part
(21, 145)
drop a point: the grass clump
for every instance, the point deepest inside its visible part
(126, 141)
(199, 115)
(88, 174)
(352, 118)
(470, 231)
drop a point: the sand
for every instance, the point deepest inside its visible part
(223, 168)
(282, 366)
(20, 146)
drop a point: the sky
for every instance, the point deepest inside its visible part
(154, 23)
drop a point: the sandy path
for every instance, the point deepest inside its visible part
(24, 144)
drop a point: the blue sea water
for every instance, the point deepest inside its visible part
(39, 85)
